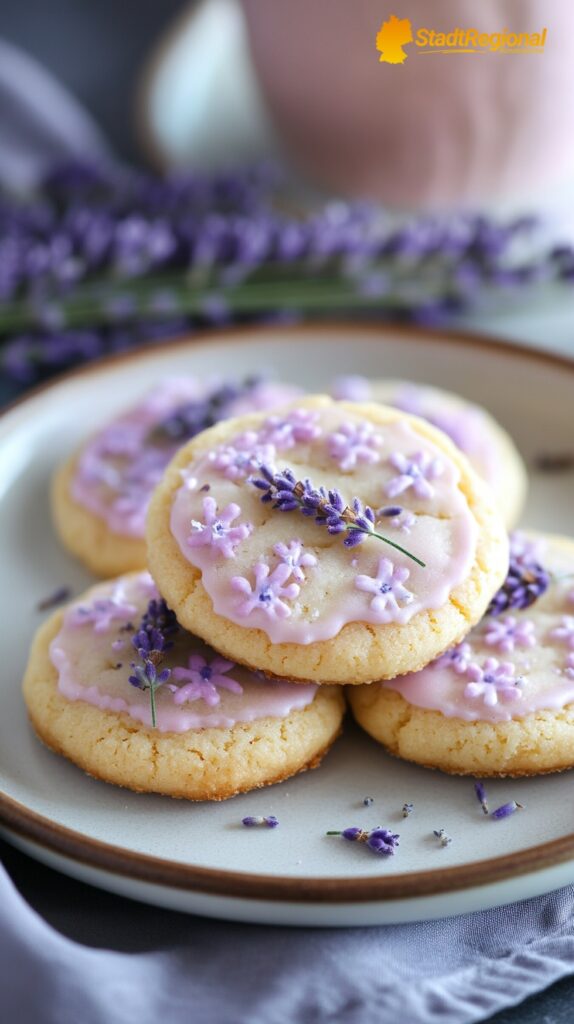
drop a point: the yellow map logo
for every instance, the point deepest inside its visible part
(391, 37)
(395, 33)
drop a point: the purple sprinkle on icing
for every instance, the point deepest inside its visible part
(295, 557)
(102, 612)
(354, 443)
(565, 631)
(387, 587)
(494, 681)
(508, 633)
(268, 593)
(216, 530)
(300, 426)
(457, 658)
(202, 679)
(246, 455)
(414, 472)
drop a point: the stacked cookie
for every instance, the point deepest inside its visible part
(331, 543)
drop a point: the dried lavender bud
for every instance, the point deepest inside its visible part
(506, 810)
(382, 841)
(326, 507)
(481, 796)
(379, 840)
(53, 600)
(408, 809)
(442, 837)
(258, 820)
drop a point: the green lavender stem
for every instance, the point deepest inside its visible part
(386, 540)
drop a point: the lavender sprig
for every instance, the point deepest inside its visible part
(379, 840)
(151, 642)
(524, 584)
(327, 507)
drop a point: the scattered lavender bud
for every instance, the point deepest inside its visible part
(506, 810)
(250, 821)
(481, 796)
(379, 840)
(368, 801)
(54, 599)
(408, 809)
(442, 837)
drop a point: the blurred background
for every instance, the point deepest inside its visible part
(169, 167)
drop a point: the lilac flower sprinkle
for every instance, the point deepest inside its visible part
(268, 593)
(569, 669)
(293, 555)
(379, 840)
(236, 461)
(407, 810)
(102, 611)
(399, 518)
(326, 507)
(565, 631)
(298, 427)
(216, 531)
(457, 658)
(414, 472)
(352, 444)
(506, 810)
(387, 587)
(203, 679)
(368, 801)
(481, 796)
(506, 634)
(252, 821)
(494, 681)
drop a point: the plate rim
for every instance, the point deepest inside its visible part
(20, 819)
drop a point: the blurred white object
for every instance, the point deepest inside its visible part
(200, 104)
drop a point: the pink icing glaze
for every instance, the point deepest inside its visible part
(119, 467)
(242, 588)
(526, 677)
(85, 658)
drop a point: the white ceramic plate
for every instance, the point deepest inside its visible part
(197, 857)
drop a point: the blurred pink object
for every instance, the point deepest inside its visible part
(439, 129)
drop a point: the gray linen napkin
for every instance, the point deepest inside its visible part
(456, 971)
